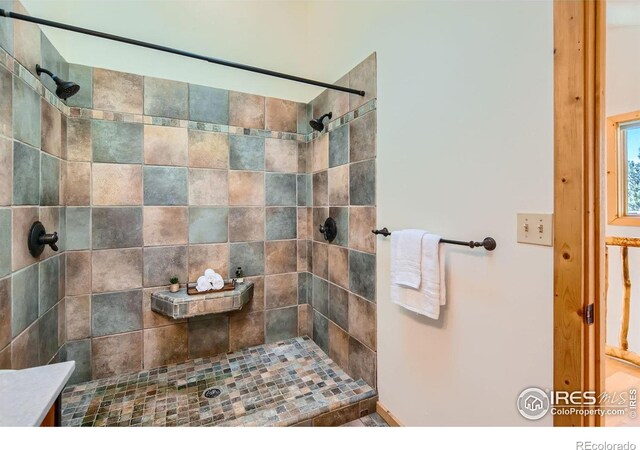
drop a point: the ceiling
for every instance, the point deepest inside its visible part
(266, 33)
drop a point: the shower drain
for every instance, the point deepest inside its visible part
(211, 393)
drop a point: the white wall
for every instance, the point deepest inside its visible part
(465, 141)
(622, 96)
(265, 33)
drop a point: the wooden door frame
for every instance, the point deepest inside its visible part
(578, 254)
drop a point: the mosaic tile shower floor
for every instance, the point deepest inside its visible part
(277, 384)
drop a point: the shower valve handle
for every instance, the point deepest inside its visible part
(50, 240)
(329, 229)
(38, 238)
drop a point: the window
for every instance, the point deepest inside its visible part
(623, 169)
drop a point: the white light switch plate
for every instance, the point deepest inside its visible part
(535, 229)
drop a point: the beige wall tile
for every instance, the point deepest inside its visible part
(281, 155)
(304, 320)
(78, 317)
(166, 146)
(5, 358)
(363, 77)
(116, 270)
(246, 188)
(79, 143)
(202, 257)
(117, 91)
(117, 184)
(208, 150)
(78, 270)
(6, 103)
(246, 330)
(165, 345)
(258, 301)
(51, 128)
(22, 220)
(339, 185)
(302, 223)
(26, 41)
(303, 260)
(281, 115)
(320, 153)
(5, 312)
(334, 101)
(77, 184)
(304, 157)
(246, 224)
(246, 110)
(166, 225)
(339, 266)
(338, 345)
(208, 336)
(280, 257)
(108, 357)
(320, 260)
(62, 318)
(362, 320)
(6, 172)
(281, 290)
(362, 362)
(208, 187)
(24, 348)
(362, 219)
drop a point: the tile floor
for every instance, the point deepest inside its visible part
(277, 384)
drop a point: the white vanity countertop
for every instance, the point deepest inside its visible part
(27, 395)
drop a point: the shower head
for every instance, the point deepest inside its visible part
(65, 89)
(317, 124)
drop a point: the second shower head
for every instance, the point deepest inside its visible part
(65, 89)
(317, 124)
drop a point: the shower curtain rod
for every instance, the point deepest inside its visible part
(113, 37)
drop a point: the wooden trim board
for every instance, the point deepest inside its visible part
(579, 53)
(387, 416)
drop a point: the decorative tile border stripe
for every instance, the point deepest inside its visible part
(349, 117)
(21, 72)
(16, 68)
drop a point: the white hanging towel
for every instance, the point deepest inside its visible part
(431, 294)
(406, 256)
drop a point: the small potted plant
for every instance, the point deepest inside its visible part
(175, 284)
(239, 275)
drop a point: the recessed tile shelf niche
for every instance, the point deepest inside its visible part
(180, 305)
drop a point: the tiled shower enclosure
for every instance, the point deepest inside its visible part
(146, 178)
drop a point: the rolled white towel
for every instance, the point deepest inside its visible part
(210, 275)
(203, 284)
(218, 282)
